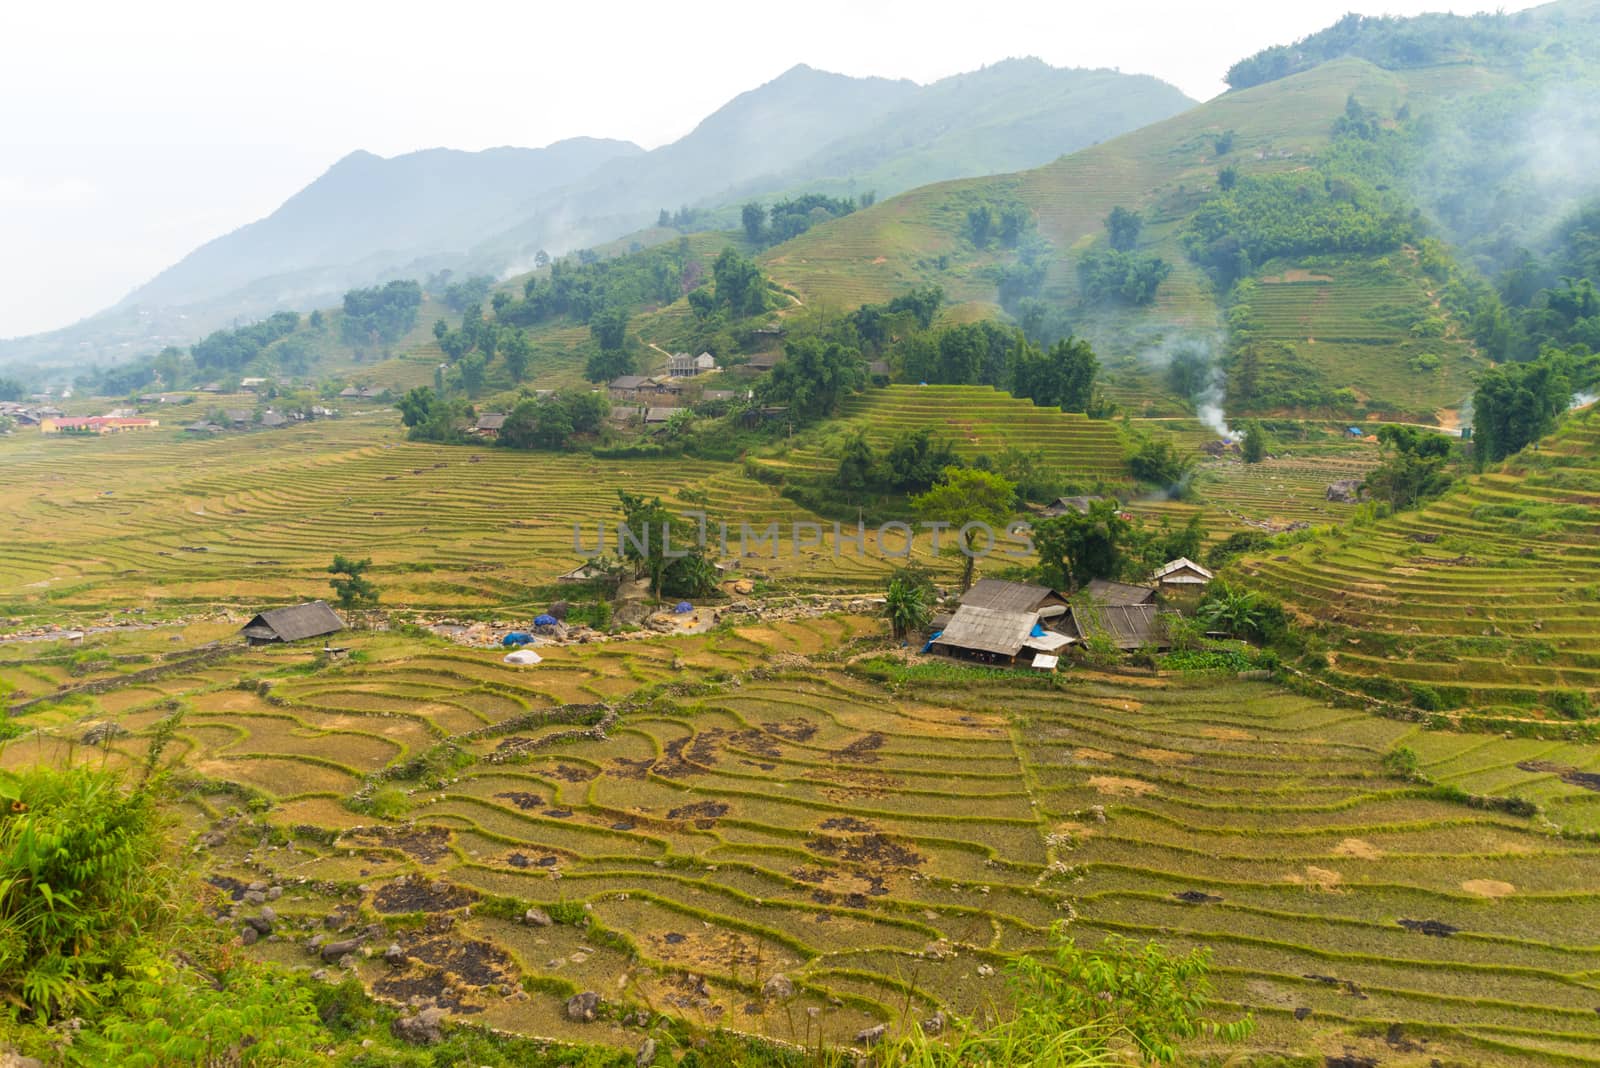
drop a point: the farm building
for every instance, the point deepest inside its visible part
(1127, 626)
(719, 395)
(1182, 573)
(680, 365)
(295, 623)
(203, 427)
(95, 424)
(1063, 505)
(764, 361)
(581, 573)
(997, 636)
(628, 387)
(1015, 597)
(489, 424)
(705, 362)
(1105, 591)
(658, 416)
(273, 420)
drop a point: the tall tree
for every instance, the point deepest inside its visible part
(754, 218)
(976, 504)
(1123, 226)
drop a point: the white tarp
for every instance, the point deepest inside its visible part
(524, 656)
(1048, 642)
(1046, 662)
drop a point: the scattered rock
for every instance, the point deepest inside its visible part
(249, 936)
(421, 1029)
(778, 988)
(582, 1007)
(933, 1026)
(646, 1054)
(259, 924)
(872, 1035)
(1345, 491)
(394, 955)
(537, 918)
(333, 951)
(1197, 897)
(13, 1059)
(1435, 928)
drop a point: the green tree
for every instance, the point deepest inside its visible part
(754, 218)
(517, 351)
(977, 505)
(1414, 467)
(1254, 445)
(351, 589)
(1227, 178)
(858, 465)
(1123, 226)
(1160, 463)
(609, 328)
(607, 364)
(1075, 548)
(813, 378)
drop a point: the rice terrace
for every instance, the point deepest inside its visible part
(1169, 635)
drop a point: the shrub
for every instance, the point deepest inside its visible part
(1401, 762)
(80, 876)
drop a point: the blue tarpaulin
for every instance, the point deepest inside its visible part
(544, 619)
(1036, 632)
(516, 637)
(929, 647)
(1356, 431)
(683, 606)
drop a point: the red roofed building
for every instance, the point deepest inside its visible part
(94, 424)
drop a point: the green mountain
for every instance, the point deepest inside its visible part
(1375, 191)
(370, 219)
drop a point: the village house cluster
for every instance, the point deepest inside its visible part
(1019, 624)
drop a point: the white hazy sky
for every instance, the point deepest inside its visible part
(132, 132)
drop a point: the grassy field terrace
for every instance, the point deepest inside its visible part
(1488, 593)
(699, 814)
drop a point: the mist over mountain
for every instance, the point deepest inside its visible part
(370, 219)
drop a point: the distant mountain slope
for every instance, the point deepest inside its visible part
(370, 219)
(365, 205)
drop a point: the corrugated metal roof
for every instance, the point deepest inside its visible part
(1105, 591)
(311, 620)
(1182, 563)
(987, 630)
(1129, 626)
(1010, 596)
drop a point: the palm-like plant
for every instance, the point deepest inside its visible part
(906, 605)
(1238, 612)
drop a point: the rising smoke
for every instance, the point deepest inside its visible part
(1192, 365)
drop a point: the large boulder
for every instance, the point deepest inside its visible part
(1345, 491)
(421, 1029)
(583, 1007)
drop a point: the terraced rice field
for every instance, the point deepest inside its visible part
(1488, 594)
(157, 521)
(1271, 496)
(887, 852)
(1349, 325)
(976, 419)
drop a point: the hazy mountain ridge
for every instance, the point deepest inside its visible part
(369, 219)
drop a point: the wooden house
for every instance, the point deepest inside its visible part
(314, 619)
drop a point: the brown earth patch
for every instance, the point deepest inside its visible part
(1227, 734)
(522, 799)
(1116, 785)
(874, 848)
(1164, 756)
(1492, 888)
(1085, 753)
(1321, 878)
(863, 750)
(1587, 780)
(421, 895)
(704, 813)
(1358, 848)
(569, 772)
(427, 844)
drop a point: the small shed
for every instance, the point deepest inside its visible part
(295, 623)
(1080, 505)
(489, 424)
(1107, 592)
(273, 420)
(1182, 573)
(705, 362)
(658, 416)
